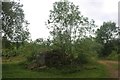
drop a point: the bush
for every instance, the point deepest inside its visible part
(113, 56)
(53, 58)
(30, 49)
(87, 48)
(9, 53)
(83, 58)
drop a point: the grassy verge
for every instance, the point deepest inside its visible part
(16, 70)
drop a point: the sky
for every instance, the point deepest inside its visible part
(37, 13)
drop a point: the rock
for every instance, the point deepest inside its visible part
(32, 66)
(42, 67)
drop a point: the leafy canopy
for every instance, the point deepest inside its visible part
(14, 25)
(67, 24)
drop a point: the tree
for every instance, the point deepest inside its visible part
(39, 41)
(67, 24)
(105, 35)
(14, 26)
(106, 32)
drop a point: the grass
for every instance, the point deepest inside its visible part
(15, 70)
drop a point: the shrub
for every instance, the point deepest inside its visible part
(52, 58)
(10, 53)
(113, 56)
(83, 58)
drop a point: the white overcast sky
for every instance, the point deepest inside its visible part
(37, 12)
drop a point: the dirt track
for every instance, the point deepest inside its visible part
(110, 66)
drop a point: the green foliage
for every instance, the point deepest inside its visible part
(53, 58)
(107, 36)
(116, 45)
(83, 58)
(14, 26)
(6, 44)
(68, 27)
(29, 48)
(113, 56)
(70, 50)
(10, 53)
(67, 24)
(106, 32)
(88, 46)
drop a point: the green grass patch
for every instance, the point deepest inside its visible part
(16, 70)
